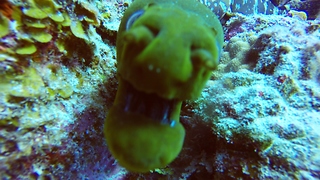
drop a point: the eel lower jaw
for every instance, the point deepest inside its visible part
(142, 130)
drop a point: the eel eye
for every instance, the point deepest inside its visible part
(133, 18)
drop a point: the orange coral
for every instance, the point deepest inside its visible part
(6, 8)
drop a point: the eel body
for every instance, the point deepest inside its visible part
(166, 51)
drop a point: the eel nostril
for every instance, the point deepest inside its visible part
(200, 56)
(155, 30)
(139, 35)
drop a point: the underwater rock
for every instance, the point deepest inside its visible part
(257, 117)
(276, 7)
(310, 7)
(45, 89)
(279, 3)
(259, 138)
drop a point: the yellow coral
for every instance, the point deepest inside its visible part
(67, 20)
(29, 84)
(35, 24)
(4, 26)
(50, 8)
(40, 35)
(66, 91)
(26, 49)
(35, 12)
(77, 30)
(89, 12)
(298, 14)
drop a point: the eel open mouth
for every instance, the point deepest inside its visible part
(142, 130)
(149, 105)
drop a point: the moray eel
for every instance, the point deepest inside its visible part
(166, 51)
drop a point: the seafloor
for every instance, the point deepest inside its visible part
(257, 118)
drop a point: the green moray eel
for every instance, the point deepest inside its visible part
(166, 51)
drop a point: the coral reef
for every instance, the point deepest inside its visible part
(261, 108)
(310, 9)
(257, 118)
(53, 65)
